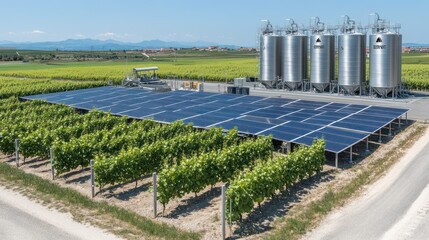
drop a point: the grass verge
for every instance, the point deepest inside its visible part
(47, 191)
(304, 218)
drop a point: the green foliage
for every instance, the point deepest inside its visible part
(195, 173)
(267, 177)
(79, 151)
(17, 87)
(137, 161)
(37, 186)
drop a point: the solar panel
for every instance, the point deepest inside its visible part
(245, 126)
(292, 120)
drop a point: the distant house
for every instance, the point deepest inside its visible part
(212, 47)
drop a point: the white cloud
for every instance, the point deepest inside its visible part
(37, 32)
(79, 35)
(108, 34)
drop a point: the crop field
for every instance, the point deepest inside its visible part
(17, 87)
(207, 69)
(193, 66)
(187, 160)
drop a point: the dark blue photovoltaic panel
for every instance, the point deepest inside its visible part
(293, 118)
(388, 112)
(205, 121)
(245, 126)
(274, 101)
(318, 121)
(264, 114)
(172, 116)
(287, 130)
(298, 116)
(241, 99)
(140, 113)
(368, 122)
(370, 118)
(281, 135)
(343, 132)
(242, 109)
(332, 107)
(263, 120)
(290, 130)
(336, 139)
(225, 113)
(302, 125)
(330, 146)
(299, 121)
(357, 125)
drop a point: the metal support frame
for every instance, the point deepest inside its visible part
(17, 152)
(289, 147)
(155, 194)
(379, 136)
(51, 156)
(390, 129)
(223, 211)
(92, 178)
(351, 155)
(336, 160)
(399, 121)
(406, 118)
(367, 145)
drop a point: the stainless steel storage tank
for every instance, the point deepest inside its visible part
(270, 57)
(385, 59)
(351, 58)
(322, 55)
(294, 57)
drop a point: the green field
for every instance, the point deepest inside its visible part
(192, 65)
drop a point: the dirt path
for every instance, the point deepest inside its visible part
(22, 218)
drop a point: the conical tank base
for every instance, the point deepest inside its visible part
(292, 85)
(350, 90)
(269, 84)
(320, 87)
(383, 91)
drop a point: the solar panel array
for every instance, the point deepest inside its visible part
(290, 120)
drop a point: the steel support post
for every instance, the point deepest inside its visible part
(155, 194)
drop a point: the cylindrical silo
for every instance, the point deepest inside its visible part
(399, 60)
(294, 57)
(385, 62)
(385, 59)
(322, 57)
(270, 59)
(351, 58)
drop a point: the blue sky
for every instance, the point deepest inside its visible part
(226, 22)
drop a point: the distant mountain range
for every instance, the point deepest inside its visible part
(415, 44)
(91, 44)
